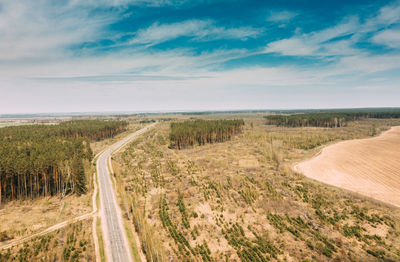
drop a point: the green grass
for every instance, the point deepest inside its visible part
(98, 200)
(132, 242)
(97, 193)
(100, 238)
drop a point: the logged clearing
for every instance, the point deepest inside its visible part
(367, 166)
(239, 200)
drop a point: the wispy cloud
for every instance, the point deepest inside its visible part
(316, 43)
(328, 42)
(281, 16)
(46, 54)
(369, 64)
(201, 30)
(40, 30)
(389, 37)
(387, 16)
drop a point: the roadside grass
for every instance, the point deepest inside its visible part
(131, 239)
(122, 199)
(100, 238)
(128, 230)
(98, 192)
(98, 200)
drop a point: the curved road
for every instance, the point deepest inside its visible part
(115, 240)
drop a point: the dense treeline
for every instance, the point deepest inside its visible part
(335, 111)
(44, 160)
(92, 129)
(338, 119)
(187, 133)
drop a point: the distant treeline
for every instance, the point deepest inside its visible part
(188, 133)
(331, 119)
(43, 160)
(337, 110)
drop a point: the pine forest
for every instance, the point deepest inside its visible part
(43, 160)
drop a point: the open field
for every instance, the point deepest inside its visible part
(71, 243)
(26, 217)
(367, 166)
(239, 200)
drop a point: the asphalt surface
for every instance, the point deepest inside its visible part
(115, 241)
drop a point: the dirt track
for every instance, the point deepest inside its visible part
(58, 226)
(367, 166)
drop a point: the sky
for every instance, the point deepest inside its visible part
(177, 55)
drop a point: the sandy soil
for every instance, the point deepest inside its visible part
(58, 226)
(367, 166)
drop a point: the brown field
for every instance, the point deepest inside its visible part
(367, 166)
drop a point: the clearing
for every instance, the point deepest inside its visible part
(239, 199)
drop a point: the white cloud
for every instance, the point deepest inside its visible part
(348, 26)
(389, 37)
(370, 64)
(39, 73)
(387, 15)
(317, 43)
(281, 16)
(203, 30)
(324, 43)
(40, 30)
(292, 47)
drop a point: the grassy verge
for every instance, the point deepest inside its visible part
(127, 223)
(98, 200)
(97, 193)
(100, 238)
(132, 241)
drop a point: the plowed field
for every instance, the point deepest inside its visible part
(367, 166)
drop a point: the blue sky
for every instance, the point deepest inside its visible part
(141, 55)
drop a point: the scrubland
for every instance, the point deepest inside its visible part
(71, 243)
(27, 217)
(240, 200)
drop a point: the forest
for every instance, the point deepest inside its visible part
(44, 160)
(331, 119)
(188, 133)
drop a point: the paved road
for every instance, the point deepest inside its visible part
(115, 241)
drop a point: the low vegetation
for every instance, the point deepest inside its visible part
(240, 201)
(72, 243)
